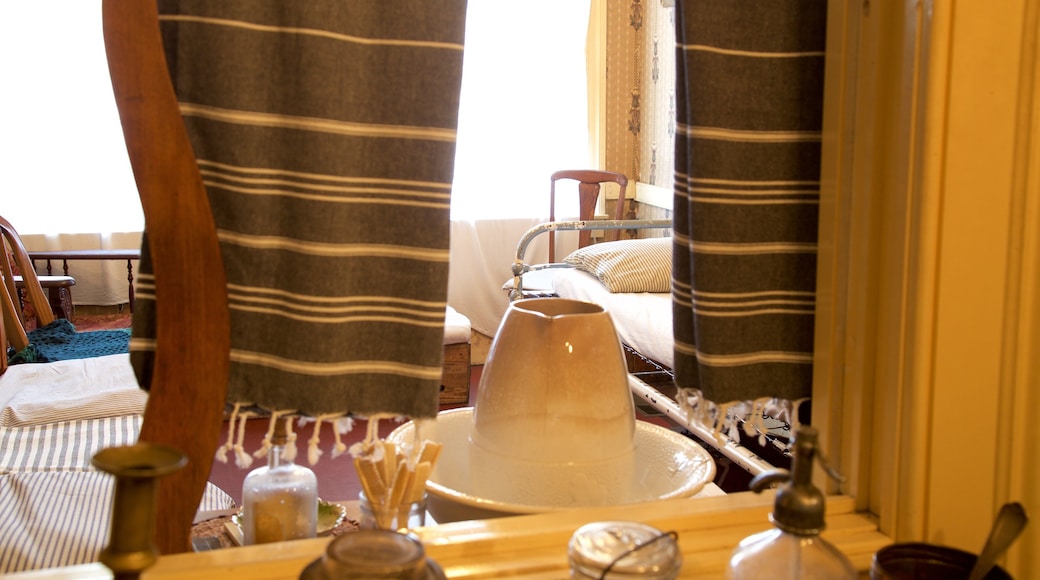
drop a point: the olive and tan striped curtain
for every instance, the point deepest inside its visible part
(749, 92)
(325, 135)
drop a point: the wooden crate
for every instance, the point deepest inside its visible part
(455, 378)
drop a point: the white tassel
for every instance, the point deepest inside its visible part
(723, 419)
(290, 441)
(342, 425)
(222, 451)
(370, 446)
(750, 422)
(721, 427)
(313, 451)
(758, 418)
(265, 445)
(242, 459)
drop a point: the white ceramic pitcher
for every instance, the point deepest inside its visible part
(553, 421)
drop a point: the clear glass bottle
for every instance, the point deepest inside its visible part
(794, 548)
(280, 500)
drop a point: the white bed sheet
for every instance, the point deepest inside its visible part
(643, 320)
(89, 388)
(456, 327)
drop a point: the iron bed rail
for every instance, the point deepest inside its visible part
(520, 267)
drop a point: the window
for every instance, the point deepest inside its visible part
(523, 111)
(65, 166)
(524, 114)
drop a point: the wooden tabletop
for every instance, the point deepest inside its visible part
(531, 547)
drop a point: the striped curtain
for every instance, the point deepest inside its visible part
(325, 135)
(749, 92)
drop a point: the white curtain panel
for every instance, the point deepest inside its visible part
(523, 114)
(523, 105)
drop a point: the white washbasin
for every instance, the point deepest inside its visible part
(665, 465)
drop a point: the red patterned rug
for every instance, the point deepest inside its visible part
(101, 321)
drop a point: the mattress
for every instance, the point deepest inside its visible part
(643, 319)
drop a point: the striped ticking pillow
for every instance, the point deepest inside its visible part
(643, 265)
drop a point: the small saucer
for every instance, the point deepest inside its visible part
(330, 515)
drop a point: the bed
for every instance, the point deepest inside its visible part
(54, 417)
(631, 279)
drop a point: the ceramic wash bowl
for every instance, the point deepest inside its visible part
(664, 464)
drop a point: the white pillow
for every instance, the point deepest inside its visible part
(87, 388)
(641, 265)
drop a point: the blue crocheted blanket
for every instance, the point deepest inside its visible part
(59, 340)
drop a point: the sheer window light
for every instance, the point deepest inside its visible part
(523, 115)
(523, 111)
(65, 167)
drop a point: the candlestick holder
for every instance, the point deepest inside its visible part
(137, 468)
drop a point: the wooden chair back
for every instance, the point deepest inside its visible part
(3, 330)
(17, 257)
(189, 380)
(590, 185)
(12, 331)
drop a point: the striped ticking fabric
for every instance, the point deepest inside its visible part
(64, 446)
(643, 265)
(749, 88)
(55, 508)
(325, 136)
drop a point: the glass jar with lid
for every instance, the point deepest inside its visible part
(621, 549)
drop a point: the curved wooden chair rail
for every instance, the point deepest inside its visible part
(189, 384)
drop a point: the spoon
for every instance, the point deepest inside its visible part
(1009, 523)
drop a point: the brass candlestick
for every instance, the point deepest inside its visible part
(137, 468)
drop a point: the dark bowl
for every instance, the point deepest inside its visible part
(912, 561)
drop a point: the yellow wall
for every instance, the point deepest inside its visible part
(928, 343)
(981, 148)
(930, 265)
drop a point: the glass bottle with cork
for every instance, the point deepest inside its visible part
(280, 499)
